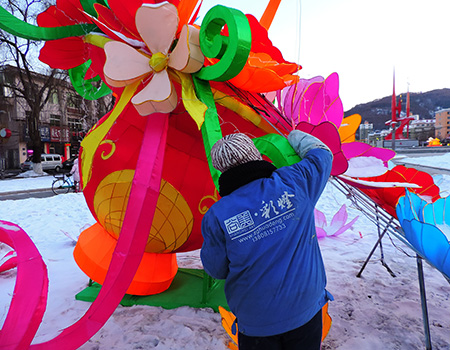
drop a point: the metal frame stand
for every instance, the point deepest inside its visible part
(391, 225)
(378, 243)
(423, 299)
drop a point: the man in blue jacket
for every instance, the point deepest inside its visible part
(260, 237)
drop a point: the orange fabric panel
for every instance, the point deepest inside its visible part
(93, 254)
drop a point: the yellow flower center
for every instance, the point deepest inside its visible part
(158, 62)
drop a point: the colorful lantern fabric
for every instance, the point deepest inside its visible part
(313, 100)
(146, 170)
(328, 134)
(388, 197)
(348, 128)
(126, 65)
(338, 224)
(110, 151)
(426, 228)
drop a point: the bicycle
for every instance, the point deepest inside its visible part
(63, 184)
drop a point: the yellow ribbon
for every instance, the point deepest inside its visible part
(92, 141)
(193, 105)
(96, 40)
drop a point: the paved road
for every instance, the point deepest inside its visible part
(43, 193)
(428, 169)
(418, 152)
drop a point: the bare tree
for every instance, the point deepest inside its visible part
(35, 89)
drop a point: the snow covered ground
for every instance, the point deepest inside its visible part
(373, 312)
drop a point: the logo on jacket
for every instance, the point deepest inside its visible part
(271, 218)
(239, 222)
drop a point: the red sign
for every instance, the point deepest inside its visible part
(65, 135)
(58, 134)
(5, 133)
(55, 134)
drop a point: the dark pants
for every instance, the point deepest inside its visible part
(306, 337)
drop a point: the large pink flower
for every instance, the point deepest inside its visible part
(313, 100)
(157, 25)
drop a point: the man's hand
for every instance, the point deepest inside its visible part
(302, 142)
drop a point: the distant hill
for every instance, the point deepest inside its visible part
(424, 104)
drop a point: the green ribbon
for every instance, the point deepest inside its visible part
(232, 51)
(211, 131)
(16, 27)
(85, 87)
(277, 148)
(88, 6)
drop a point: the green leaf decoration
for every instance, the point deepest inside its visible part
(85, 87)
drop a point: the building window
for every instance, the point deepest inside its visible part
(74, 101)
(75, 124)
(54, 99)
(7, 91)
(55, 120)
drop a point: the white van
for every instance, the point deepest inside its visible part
(49, 162)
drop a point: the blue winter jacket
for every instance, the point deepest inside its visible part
(262, 239)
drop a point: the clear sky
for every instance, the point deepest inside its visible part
(362, 40)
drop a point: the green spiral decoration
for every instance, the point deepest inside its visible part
(232, 51)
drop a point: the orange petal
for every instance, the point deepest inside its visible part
(349, 127)
(263, 74)
(256, 79)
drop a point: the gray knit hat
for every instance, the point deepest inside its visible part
(232, 150)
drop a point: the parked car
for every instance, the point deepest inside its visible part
(445, 142)
(50, 162)
(67, 164)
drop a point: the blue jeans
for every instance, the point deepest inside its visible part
(306, 337)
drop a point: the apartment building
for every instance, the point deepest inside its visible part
(442, 124)
(63, 122)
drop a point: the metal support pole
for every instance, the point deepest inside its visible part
(394, 124)
(423, 299)
(381, 244)
(379, 217)
(373, 250)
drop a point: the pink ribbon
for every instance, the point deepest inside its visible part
(131, 243)
(30, 292)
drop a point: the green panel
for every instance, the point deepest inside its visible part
(187, 289)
